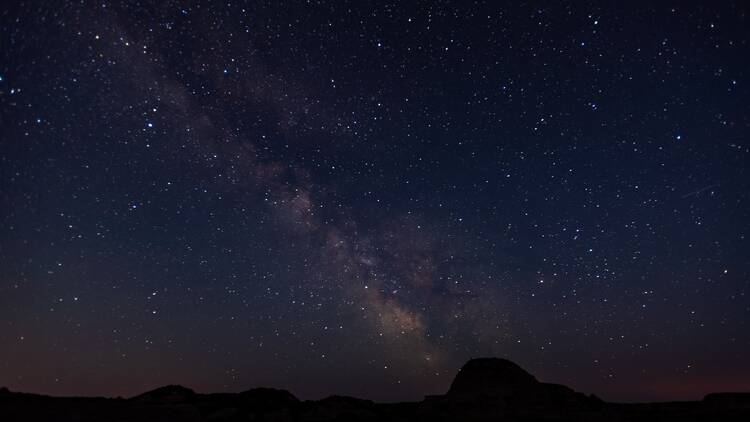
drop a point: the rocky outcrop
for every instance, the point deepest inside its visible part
(166, 395)
(501, 383)
(492, 377)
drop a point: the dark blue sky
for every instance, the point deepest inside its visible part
(356, 198)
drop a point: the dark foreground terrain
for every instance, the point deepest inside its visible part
(484, 390)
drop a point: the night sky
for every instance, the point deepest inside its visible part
(355, 198)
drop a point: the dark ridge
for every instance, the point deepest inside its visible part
(493, 376)
(268, 398)
(486, 389)
(166, 394)
(734, 399)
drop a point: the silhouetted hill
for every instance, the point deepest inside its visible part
(166, 395)
(486, 389)
(492, 376)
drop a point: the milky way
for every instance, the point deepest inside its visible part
(351, 198)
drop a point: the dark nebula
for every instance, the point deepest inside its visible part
(357, 197)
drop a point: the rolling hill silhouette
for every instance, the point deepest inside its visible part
(486, 389)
